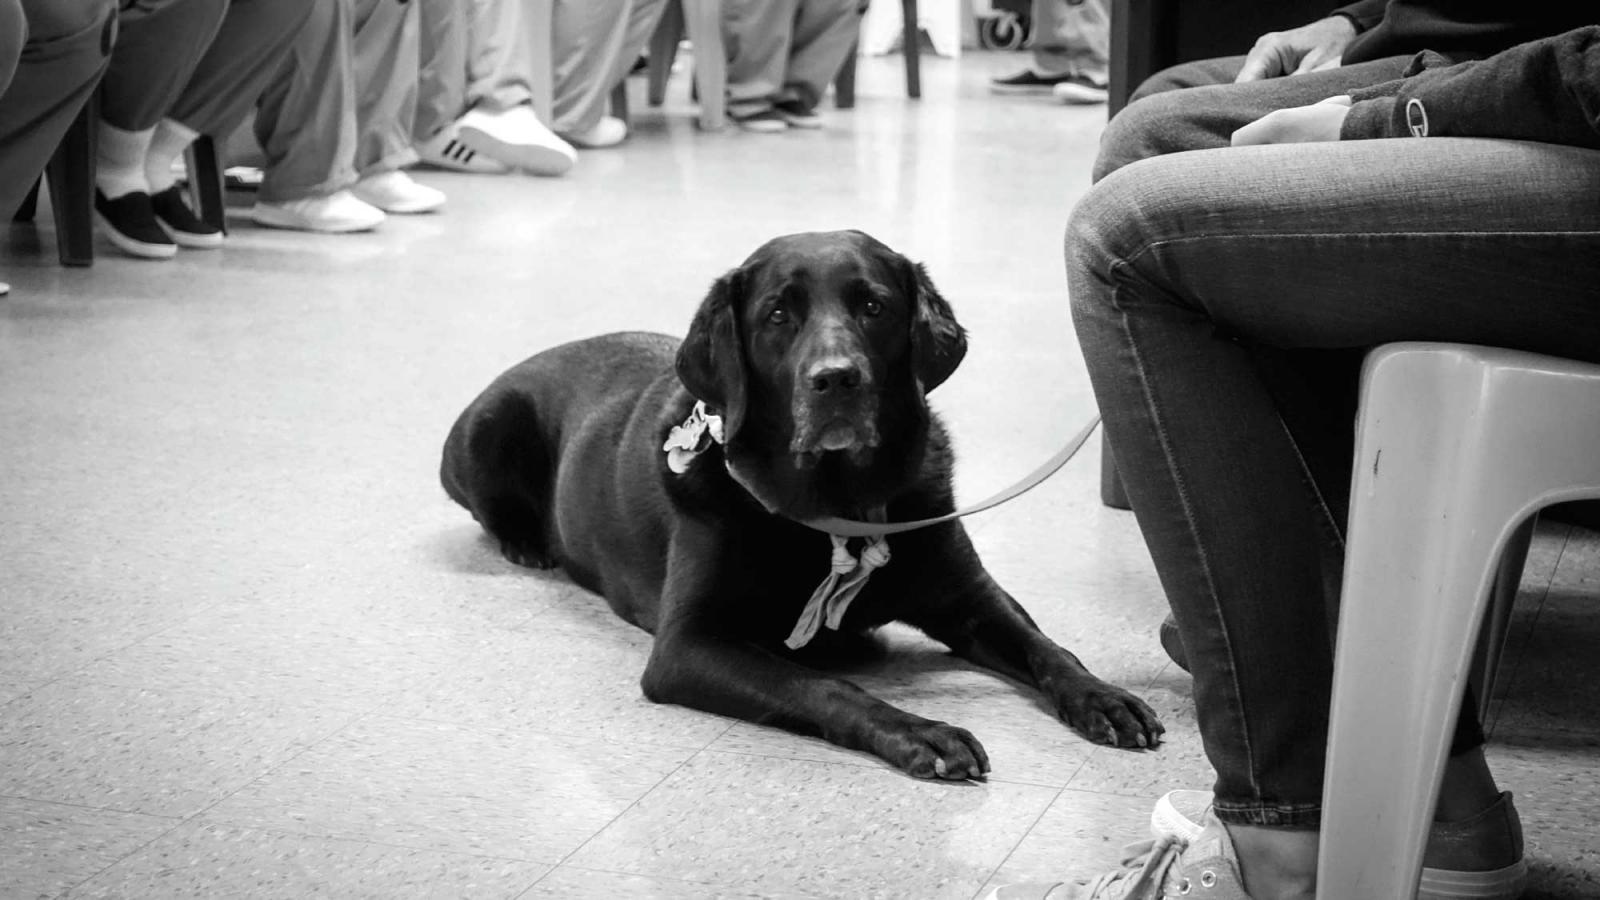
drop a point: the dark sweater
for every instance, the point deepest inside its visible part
(1546, 90)
(1459, 29)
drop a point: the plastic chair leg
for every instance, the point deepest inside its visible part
(1497, 620)
(1456, 447)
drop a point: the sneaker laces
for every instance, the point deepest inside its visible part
(1147, 872)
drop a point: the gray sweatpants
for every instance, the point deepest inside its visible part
(474, 53)
(341, 104)
(483, 55)
(1072, 37)
(64, 49)
(203, 63)
(785, 51)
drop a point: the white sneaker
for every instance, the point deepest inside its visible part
(395, 192)
(446, 150)
(608, 132)
(335, 213)
(517, 138)
(4, 289)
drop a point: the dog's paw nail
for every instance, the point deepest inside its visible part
(1143, 742)
(939, 768)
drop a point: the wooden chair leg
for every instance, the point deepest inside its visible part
(30, 205)
(206, 189)
(911, 46)
(71, 177)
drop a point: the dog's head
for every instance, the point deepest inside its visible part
(818, 351)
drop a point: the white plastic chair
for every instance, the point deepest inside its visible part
(1456, 447)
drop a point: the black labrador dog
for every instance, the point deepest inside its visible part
(810, 364)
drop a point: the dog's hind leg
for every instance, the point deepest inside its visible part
(496, 465)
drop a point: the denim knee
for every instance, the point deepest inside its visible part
(1142, 129)
(50, 20)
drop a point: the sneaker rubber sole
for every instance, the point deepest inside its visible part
(535, 158)
(191, 240)
(133, 246)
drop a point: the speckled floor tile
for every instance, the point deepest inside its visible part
(436, 786)
(309, 647)
(572, 883)
(762, 824)
(11, 689)
(51, 847)
(210, 860)
(578, 681)
(167, 752)
(1080, 836)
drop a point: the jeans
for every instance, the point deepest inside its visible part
(1223, 298)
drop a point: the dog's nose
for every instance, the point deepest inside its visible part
(834, 376)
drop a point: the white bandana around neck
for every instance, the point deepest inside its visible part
(849, 575)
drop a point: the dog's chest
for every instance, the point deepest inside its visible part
(777, 580)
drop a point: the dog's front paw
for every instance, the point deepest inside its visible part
(525, 553)
(935, 750)
(1109, 715)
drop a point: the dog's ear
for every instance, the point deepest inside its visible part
(938, 342)
(711, 360)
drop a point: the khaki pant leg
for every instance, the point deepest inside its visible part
(1072, 37)
(306, 122)
(68, 47)
(824, 32)
(595, 43)
(253, 42)
(441, 65)
(756, 35)
(500, 55)
(386, 66)
(159, 45)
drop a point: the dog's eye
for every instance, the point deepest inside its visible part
(778, 316)
(872, 307)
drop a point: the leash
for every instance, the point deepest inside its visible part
(852, 528)
(848, 574)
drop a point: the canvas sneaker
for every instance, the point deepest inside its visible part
(337, 213)
(1080, 90)
(180, 223)
(1452, 860)
(517, 138)
(129, 222)
(767, 121)
(395, 192)
(1026, 82)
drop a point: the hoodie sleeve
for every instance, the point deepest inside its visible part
(1546, 90)
(1364, 13)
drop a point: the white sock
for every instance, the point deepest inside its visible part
(120, 160)
(171, 139)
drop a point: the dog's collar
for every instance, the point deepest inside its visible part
(848, 575)
(694, 437)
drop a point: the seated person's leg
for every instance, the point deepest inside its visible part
(306, 124)
(595, 44)
(1071, 53)
(252, 41)
(824, 34)
(158, 45)
(1168, 121)
(68, 46)
(386, 69)
(756, 37)
(1189, 262)
(476, 90)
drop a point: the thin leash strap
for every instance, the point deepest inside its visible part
(850, 528)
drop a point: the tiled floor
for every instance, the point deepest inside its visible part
(248, 648)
